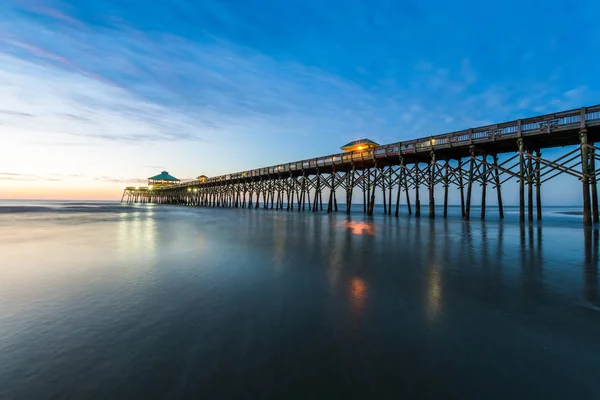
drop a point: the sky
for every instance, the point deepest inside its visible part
(97, 95)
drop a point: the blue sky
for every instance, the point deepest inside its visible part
(97, 94)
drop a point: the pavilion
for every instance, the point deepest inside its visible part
(162, 179)
(359, 145)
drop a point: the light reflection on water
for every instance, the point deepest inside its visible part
(180, 302)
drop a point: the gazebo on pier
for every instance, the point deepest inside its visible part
(359, 145)
(162, 179)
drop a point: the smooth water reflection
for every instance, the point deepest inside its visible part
(172, 302)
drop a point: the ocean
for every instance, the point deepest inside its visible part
(101, 300)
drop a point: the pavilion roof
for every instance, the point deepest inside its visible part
(360, 142)
(164, 176)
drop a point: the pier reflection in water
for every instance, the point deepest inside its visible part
(174, 303)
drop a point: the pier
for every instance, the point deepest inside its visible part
(389, 173)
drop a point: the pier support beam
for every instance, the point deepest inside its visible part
(446, 185)
(390, 190)
(417, 198)
(404, 179)
(498, 188)
(349, 190)
(432, 186)
(529, 186)
(593, 184)
(521, 182)
(461, 187)
(587, 217)
(470, 184)
(538, 185)
(483, 186)
(372, 199)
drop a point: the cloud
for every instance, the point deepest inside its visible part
(8, 176)
(16, 113)
(12, 176)
(110, 179)
(72, 104)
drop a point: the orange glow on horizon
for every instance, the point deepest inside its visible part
(59, 190)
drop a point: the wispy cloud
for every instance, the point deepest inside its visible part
(10, 176)
(131, 181)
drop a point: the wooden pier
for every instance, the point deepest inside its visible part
(390, 172)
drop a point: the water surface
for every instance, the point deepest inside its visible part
(100, 300)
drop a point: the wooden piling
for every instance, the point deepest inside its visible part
(349, 191)
(593, 183)
(404, 178)
(530, 175)
(446, 184)
(470, 185)
(587, 217)
(383, 191)
(417, 199)
(521, 181)
(372, 199)
(390, 190)
(398, 194)
(538, 185)
(483, 186)
(431, 170)
(498, 191)
(330, 202)
(461, 187)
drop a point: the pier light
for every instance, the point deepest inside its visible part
(137, 187)
(150, 187)
(359, 145)
(195, 190)
(189, 189)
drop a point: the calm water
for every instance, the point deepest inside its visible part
(104, 301)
